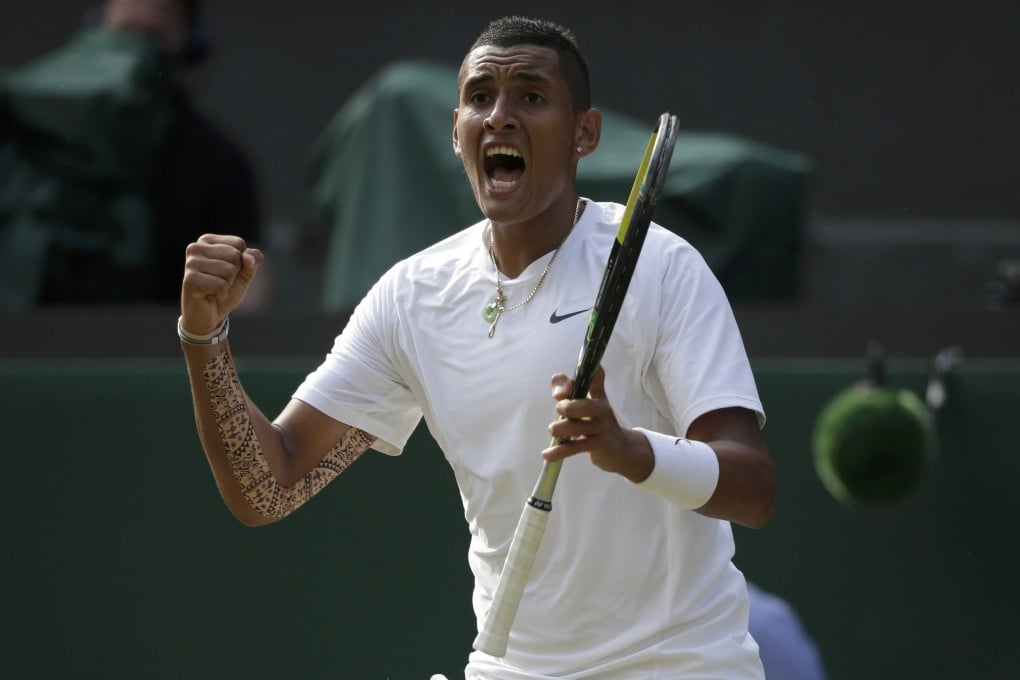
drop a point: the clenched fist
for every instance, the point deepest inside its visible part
(217, 272)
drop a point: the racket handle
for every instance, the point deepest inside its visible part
(495, 632)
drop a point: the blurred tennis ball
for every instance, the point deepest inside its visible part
(872, 444)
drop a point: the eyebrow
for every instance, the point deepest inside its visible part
(526, 76)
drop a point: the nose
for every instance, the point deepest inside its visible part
(501, 116)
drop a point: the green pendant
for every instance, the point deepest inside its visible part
(490, 312)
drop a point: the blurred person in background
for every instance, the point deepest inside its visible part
(787, 649)
(107, 168)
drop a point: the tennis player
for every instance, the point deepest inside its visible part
(634, 577)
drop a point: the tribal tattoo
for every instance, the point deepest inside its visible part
(251, 470)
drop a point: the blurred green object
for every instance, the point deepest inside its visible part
(873, 443)
(384, 182)
(80, 129)
(96, 109)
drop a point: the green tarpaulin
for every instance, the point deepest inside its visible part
(384, 179)
(79, 130)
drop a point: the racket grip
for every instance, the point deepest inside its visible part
(495, 632)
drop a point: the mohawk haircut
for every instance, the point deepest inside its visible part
(511, 31)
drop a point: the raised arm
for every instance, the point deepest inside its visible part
(264, 470)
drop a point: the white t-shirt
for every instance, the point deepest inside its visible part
(625, 583)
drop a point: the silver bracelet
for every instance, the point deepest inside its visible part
(214, 338)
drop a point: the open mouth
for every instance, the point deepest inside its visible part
(503, 166)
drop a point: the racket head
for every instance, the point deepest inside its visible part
(637, 217)
(651, 175)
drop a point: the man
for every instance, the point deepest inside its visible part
(634, 578)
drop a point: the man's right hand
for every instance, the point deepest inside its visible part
(217, 272)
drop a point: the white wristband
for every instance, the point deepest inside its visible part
(214, 338)
(686, 471)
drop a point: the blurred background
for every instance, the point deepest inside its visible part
(907, 116)
(886, 130)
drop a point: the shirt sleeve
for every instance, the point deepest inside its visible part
(700, 355)
(359, 382)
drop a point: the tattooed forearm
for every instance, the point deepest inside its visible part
(251, 470)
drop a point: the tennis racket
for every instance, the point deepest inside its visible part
(637, 215)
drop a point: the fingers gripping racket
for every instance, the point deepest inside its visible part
(623, 256)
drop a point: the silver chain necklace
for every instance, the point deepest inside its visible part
(497, 307)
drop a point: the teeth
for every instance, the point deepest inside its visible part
(502, 151)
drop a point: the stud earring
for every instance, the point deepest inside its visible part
(578, 149)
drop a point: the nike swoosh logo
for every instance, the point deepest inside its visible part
(556, 318)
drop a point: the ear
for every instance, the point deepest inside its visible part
(588, 132)
(456, 139)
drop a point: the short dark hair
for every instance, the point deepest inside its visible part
(511, 31)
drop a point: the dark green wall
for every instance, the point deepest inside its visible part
(925, 589)
(125, 564)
